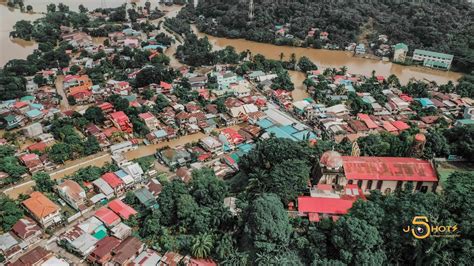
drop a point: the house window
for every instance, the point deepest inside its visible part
(399, 185)
(418, 185)
(379, 184)
(350, 182)
(369, 185)
(359, 183)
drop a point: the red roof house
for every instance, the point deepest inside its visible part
(114, 182)
(400, 125)
(232, 136)
(165, 86)
(120, 120)
(367, 120)
(106, 107)
(39, 146)
(122, 209)
(103, 251)
(108, 217)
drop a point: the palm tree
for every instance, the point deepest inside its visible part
(344, 70)
(202, 246)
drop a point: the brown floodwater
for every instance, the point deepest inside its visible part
(20, 49)
(335, 59)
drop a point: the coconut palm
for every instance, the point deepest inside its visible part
(202, 246)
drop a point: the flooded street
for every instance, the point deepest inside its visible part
(102, 158)
(335, 59)
(20, 49)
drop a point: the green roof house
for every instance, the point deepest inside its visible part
(400, 52)
(146, 198)
(433, 59)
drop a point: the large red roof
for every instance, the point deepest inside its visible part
(107, 216)
(121, 209)
(322, 205)
(388, 169)
(119, 116)
(112, 179)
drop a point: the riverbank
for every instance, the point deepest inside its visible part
(335, 59)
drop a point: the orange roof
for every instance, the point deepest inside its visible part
(20, 105)
(39, 205)
(78, 89)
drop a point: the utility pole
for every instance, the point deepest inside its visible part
(251, 10)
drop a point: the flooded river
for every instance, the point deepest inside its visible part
(335, 59)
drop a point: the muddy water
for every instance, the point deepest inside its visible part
(335, 59)
(19, 49)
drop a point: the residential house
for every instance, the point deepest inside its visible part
(123, 147)
(32, 162)
(33, 130)
(101, 186)
(107, 216)
(400, 51)
(211, 144)
(154, 186)
(35, 257)
(150, 121)
(121, 121)
(122, 209)
(114, 182)
(171, 259)
(27, 230)
(72, 193)
(147, 257)
(102, 254)
(360, 49)
(9, 245)
(79, 241)
(145, 197)
(134, 170)
(42, 209)
(174, 157)
(127, 251)
(198, 82)
(224, 79)
(125, 177)
(121, 231)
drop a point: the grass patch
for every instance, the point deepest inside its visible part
(447, 168)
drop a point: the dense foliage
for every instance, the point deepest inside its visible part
(441, 26)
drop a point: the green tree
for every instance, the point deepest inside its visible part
(202, 246)
(43, 181)
(207, 189)
(358, 242)
(289, 179)
(168, 200)
(95, 115)
(305, 64)
(91, 145)
(60, 152)
(267, 225)
(10, 213)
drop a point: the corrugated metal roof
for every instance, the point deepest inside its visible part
(388, 169)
